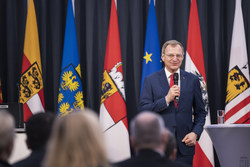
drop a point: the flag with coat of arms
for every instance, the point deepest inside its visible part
(237, 107)
(31, 81)
(113, 112)
(70, 97)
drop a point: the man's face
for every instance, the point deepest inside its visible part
(172, 58)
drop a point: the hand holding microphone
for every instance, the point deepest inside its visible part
(174, 91)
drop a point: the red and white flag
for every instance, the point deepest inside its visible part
(31, 83)
(195, 64)
(238, 87)
(113, 114)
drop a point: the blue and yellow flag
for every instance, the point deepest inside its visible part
(70, 95)
(152, 54)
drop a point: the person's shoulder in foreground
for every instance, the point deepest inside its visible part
(155, 162)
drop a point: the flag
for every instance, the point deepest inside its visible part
(195, 64)
(113, 114)
(31, 82)
(152, 54)
(238, 88)
(1, 94)
(70, 97)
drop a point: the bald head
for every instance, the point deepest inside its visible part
(147, 130)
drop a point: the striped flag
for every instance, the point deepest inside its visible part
(195, 64)
(31, 83)
(238, 88)
(152, 54)
(70, 97)
(113, 114)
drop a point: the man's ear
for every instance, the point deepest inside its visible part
(132, 142)
(165, 137)
(174, 154)
(162, 56)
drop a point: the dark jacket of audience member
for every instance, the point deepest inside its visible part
(171, 147)
(38, 129)
(148, 139)
(7, 133)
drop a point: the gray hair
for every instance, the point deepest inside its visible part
(147, 128)
(172, 43)
(7, 132)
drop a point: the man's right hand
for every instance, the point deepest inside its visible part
(173, 91)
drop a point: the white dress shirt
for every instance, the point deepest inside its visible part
(168, 75)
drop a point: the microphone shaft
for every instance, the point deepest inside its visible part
(176, 77)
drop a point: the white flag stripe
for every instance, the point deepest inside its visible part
(116, 139)
(238, 114)
(189, 65)
(35, 104)
(205, 141)
(237, 99)
(116, 136)
(106, 120)
(238, 55)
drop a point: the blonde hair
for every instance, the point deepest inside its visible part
(76, 141)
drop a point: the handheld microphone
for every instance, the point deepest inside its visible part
(176, 77)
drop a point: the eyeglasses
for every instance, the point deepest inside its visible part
(171, 56)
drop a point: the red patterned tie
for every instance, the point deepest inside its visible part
(171, 84)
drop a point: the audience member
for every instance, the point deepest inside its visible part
(38, 129)
(171, 146)
(77, 141)
(7, 133)
(148, 138)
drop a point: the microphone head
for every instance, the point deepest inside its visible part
(176, 76)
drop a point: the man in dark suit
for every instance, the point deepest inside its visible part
(185, 115)
(38, 129)
(148, 137)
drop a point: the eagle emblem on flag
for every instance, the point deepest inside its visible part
(70, 96)
(237, 83)
(203, 88)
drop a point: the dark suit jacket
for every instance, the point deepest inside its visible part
(34, 160)
(4, 164)
(179, 120)
(149, 158)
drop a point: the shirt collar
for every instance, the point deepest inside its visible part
(169, 73)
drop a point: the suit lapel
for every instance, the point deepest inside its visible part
(184, 82)
(164, 81)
